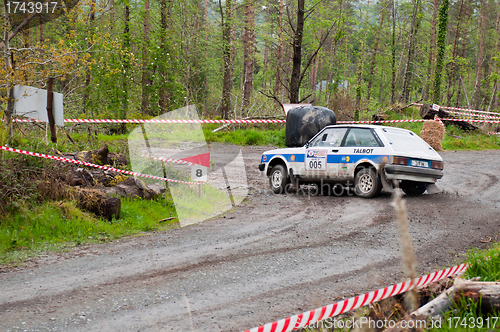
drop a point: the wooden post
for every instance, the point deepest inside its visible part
(199, 189)
(50, 98)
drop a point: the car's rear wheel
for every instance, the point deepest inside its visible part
(366, 183)
(413, 188)
(278, 179)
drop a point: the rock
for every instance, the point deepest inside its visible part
(303, 122)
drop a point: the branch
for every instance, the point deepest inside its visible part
(289, 19)
(19, 27)
(311, 59)
(310, 11)
(272, 96)
(309, 95)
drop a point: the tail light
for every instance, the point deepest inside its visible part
(400, 161)
(437, 165)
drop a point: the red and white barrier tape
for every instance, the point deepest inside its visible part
(170, 160)
(473, 120)
(463, 109)
(79, 162)
(385, 121)
(477, 115)
(168, 121)
(335, 309)
(244, 121)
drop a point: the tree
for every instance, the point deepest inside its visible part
(248, 46)
(415, 22)
(441, 44)
(227, 81)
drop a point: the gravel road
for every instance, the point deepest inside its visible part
(270, 257)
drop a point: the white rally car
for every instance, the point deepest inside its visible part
(367, 157)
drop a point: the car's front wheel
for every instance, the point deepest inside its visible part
(413, 188)
(366, 183)
(278, 179)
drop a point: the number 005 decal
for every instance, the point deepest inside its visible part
(315, 160)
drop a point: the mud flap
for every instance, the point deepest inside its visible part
(433, 189)
(387, 186)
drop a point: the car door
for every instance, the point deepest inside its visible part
(322, 155)
(359, 144)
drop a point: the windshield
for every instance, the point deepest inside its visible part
(405, 141)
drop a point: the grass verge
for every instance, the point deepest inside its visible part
(55, 225)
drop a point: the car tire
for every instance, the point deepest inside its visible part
(278, 179)
(367, 183)
(413, 188)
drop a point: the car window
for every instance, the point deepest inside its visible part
(330, 137)
(360, 137)
(405, 141)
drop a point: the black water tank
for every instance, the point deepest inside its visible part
(303, 122)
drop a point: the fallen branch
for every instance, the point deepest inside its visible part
(167, 219)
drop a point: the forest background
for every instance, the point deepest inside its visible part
(238, 59)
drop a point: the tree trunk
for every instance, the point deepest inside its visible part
(479, 64)
(441, 43)
(145, 79)
(266, 51)
(10, 87)
(297, 54)
(415, 22)
(497, 65)
(126, 64)
(227, 84)
(248, 54)
(459, 84)
(279, 50)
(87, 75)
(453, 67)
(393, 55)
(164, 94)
(432, 53)
(374, 52)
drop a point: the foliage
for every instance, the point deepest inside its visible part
(441, 44)
(484, 263)
(60, 224)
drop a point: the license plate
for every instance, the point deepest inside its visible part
(419, 163)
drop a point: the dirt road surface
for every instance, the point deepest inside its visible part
(271, 257)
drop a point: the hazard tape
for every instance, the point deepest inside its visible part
(473, 120)
(170, 160)
(384, 121)
(132, 121)
(335, 309)
(79, 162)
(477, 115)
(463, 109)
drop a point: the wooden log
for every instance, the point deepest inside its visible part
(98, 203)
(485, 293)
(426, 112)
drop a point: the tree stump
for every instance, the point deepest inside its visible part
(426, 112)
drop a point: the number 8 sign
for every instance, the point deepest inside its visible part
(199, 173)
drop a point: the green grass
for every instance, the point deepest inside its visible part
(273, 135)
(57, 224)
(484, 263)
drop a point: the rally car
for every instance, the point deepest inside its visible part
(366, 158)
